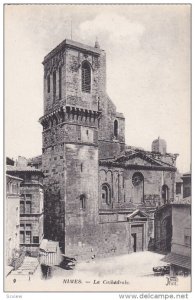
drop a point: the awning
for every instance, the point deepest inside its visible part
(178, 260)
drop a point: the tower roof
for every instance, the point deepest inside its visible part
(73, 45)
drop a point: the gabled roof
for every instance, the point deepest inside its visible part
(140, 155)
(127, 161)
(146, 156)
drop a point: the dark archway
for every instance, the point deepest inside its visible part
(166, 234)
(106, 194)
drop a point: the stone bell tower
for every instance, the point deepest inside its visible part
(74, 80)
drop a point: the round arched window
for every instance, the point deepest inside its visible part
(106, 195)
(165, 193)
(137, 178)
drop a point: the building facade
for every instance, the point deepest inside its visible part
(183, 186)
(173, 235)
(12, 204)
(31, 205)
(100, 195)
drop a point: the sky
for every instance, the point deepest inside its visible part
(148, 69)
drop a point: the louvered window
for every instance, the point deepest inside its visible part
(86, 77)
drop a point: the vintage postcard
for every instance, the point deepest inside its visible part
(97, 148)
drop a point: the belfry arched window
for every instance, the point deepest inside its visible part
(116, 129)
(165, 193)
(86, 77)
(106, 194)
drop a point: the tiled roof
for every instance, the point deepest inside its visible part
(178, 260)
(22, 169)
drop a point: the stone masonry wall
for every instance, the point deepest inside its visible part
(81, 182)
(74, 94)
(109, 145)
(53, 165)
(122, 188)
(70, 62)
(101, 240)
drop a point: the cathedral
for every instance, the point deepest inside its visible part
(100, 195)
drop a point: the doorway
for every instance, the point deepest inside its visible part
(137, 238)
(133, 241)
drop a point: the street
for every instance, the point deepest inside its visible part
(131, 265)
(130, 272)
